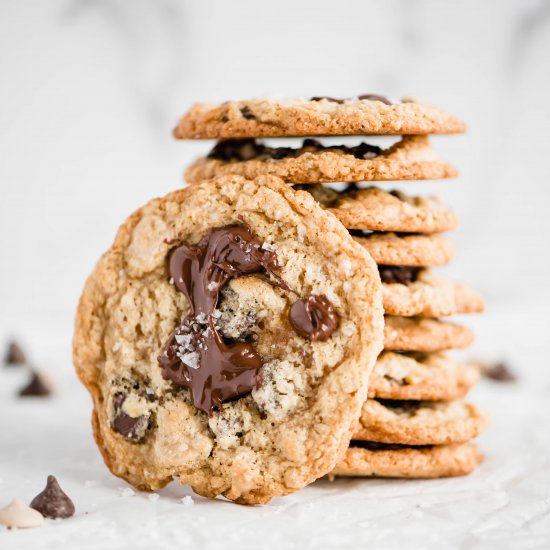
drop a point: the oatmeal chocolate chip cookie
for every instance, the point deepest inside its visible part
(424, 334)
(226, 339)
(369, 459)
(319, 116)
(406, 249)
(419, 422)
(421, 376)
(412, 158)
(412, 292)
(373, 209)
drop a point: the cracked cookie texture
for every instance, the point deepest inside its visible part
(314, 117)
(296, 423)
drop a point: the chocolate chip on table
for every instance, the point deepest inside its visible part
(17, 514)
(498, 371)
(247, 113)
(36, 387)
(398, 274)
(52, 502)
(133, 428)
(14, 355)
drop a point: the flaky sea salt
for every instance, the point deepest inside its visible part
(153, 497)
(201, 318)
(269, 247)
(212, 286)
(117, 345)
(127, 492)
(190, 359)
(187, 501)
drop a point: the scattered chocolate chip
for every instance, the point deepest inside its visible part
(499, 371)
(247, 113)
(313, 318)
(375, 97)
(15, 355)
(398, 274)
(133, 428)
(52, 502)
(17, 514)
(36, 387)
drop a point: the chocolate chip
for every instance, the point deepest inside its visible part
(376, 446)
(14, 355)
(133, 428)
(500, 372)
(247, 113)
(52, 502)
(375, 97)
(332, 99)
(36, 387)
(365, 151)
(236, 149)
(279, 153)
(398, 274)
(313, 318)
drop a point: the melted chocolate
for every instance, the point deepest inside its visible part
(197, 356)
(375, 446)
(313, 318)
(398, 274)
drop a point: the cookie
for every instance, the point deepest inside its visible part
(373, 209)
(319, 116)
(421, 376)
(226, 339)
(411, 292)
(419, 422)
(424, 334)
(368, 459)
(406, 249)
(412, 158)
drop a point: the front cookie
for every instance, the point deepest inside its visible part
(226, 339)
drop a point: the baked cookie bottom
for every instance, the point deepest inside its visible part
(368, 459)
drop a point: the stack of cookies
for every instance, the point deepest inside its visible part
(415, 422)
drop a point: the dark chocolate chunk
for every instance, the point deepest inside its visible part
(247, 113)
(333, 99)
(36, 387)
(375, 446)
(375, 97)
(236, 149)
(14, 355)
(278, 153)
(409, 406)
(398, 274)
(133, 428)
(500, 372)
(313, 318)
(365, 151)
(52, 502)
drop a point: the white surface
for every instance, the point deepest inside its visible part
(505, 504)
(90, 90)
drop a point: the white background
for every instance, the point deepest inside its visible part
(89, 93)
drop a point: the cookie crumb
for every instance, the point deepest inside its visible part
(187, 501)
